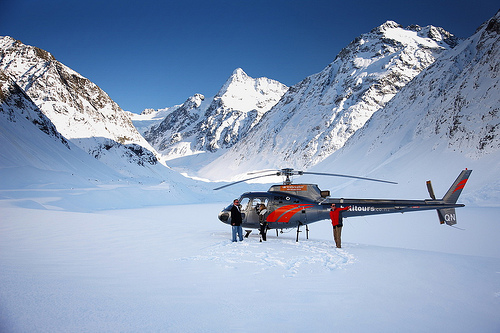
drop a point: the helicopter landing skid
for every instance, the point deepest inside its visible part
(298, 230)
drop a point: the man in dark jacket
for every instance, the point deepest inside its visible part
(236, 220)
(336, 217)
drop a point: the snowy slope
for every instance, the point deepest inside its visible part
(33, 153)
(316, 116)
(143, 270)
(150, 117)
(80, 250)
(78, 108)
(33, 161)
(16, 105)
(207, 125)
(175, 135)
(35, 156)
(446, 119)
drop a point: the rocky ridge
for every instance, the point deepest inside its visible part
(316, 116)
(78, 108)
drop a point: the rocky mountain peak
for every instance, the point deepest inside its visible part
(493, 24)
(79, 109)
(386, 26)
(238, 75)
(336, 102)
(202, 125)
(194, 101)
(446, 118)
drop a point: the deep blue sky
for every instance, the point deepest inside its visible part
(155, 54)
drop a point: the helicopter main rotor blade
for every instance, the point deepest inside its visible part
(262, 171)
(347, 176)
(244, 180)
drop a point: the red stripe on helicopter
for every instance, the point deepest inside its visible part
(460, 185)
(285, 213)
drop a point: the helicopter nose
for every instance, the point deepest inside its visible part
(224, 216)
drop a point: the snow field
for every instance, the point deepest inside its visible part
(173, 268)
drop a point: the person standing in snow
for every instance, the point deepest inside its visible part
(236, 220)
(336, 217)
(262, 221)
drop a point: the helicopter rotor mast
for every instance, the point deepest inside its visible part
(289, 172)
(286, 172)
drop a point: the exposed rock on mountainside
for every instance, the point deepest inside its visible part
(446, 119)
(316, 116)
(15, 103)
(201, 125)
(455, 101)
(78, 108)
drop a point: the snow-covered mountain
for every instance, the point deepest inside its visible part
(207, 125)
(16, 105)
(445, 119)
(33, 153)
(79, 109)
(150, 117)
(34, 156)
(81, 254)
(171, 135)
(316, 116)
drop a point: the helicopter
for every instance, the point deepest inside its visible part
(294, 205)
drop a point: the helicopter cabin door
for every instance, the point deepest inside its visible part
(250, 209)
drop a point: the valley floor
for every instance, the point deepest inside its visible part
(174, 268)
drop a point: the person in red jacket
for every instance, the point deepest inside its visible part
(336, 216)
